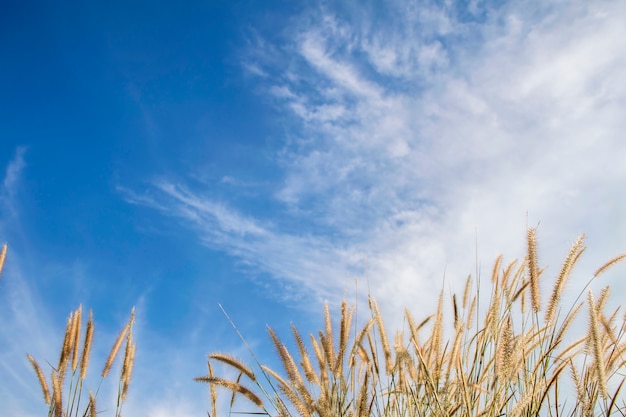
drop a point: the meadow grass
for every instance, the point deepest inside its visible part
(64, 393)
(517, 356)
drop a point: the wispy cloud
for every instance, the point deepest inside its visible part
(293, 259)
(11, 181)
(20, 309)
(416, 138)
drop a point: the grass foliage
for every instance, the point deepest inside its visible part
(68, 376)
(517, 356)
(507, 353)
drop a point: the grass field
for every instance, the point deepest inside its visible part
(512, 351)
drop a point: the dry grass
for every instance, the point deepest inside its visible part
(3, 256)
(501, 359)
(66, 397)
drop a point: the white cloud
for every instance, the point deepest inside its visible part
(11, 181)
(416, 139)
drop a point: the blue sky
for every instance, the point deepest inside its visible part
(264, 155)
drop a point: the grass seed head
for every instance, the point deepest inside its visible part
(84, 359)
(233, 387)
(57, 395)
(533, 270)
(595, 339)
(41, 378)
(76, 335)
(3, 255)
(564, 274)
(231, 361)
(92, 405)
(609, 264)
(116, 347)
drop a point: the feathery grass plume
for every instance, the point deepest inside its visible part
(344, 333)
(507, 285)
(287, 389)
(609, 327)
(437, 335)
(42, 379)
(57, 395)
(321, 360)
(604, 296)
(327, 339)
(383, 335)
(533, 270)
(307, 367)
(358, 341)
(364, 363)
(415, 328)
(127, 366)
(564, 274)
(362, 398)
(609, 264)
(402, 364)
(291, 395)
(466, 291)
(288, 363)
(594, 336)
(471, 312)
(76, 336)
(374, 357)
(92, 405)
(84, 359)
(233, 387)
(231, 361)
(127, 363)
(3, 255)
(66, 349)
(505, 349)
(493, 314)
(114, 350)
(496, 267)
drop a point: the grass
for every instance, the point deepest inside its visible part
(518, 355)
(514, 357)
(64, 391)
(68, 376)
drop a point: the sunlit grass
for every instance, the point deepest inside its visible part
(63, 392)
(511, 352)
(518, 356)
